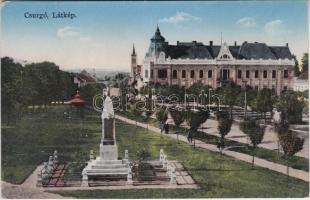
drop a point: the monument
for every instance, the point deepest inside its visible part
(107, 166)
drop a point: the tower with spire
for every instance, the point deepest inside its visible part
(133, 63)
(157, 44)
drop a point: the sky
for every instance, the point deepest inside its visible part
(103, 33)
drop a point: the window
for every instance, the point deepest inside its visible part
(239, 74)
(200, 74)
(192, 73)
(265, 74)
(152, 73)
(210, 74)
(256, 87)
(225, 56)
(274, 73)
(256, 73)
(247, 74)
(162, 73)
(174, 74)
(284, 88)
(183, 74)
(285, 73)
(146, 75)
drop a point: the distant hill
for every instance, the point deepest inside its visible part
(100, 73)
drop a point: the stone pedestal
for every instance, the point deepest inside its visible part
(108, 152)
(107, 166)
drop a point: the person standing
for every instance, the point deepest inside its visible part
(190, 136)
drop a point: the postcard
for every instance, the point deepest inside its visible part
(154, 99)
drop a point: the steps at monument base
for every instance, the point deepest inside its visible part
(138, 183)
(110, 166)
(107, 183)
(107, 176)
(108, 162)
(116, 171)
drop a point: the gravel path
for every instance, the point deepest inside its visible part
(11, 191)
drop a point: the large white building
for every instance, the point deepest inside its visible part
(255, 64)
(301, 83)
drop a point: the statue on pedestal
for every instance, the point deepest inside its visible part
(107, 164)
(108, 148)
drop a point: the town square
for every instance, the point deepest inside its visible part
(192, 100)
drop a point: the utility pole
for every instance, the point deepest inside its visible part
(245, 100)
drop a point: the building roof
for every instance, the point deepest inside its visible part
(197, 50)
(187, 51)
(255, 51)
(281, 52)
(84, 76)
(157, 36)
(246, 51)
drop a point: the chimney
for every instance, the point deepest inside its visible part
(211, 43)
(286, 44)
(177, 42)
(235, 43)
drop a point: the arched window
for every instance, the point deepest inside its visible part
(225, 56)
(183, 74)
(210, 74)
(192, 74)
(201, 74)
(174, 74)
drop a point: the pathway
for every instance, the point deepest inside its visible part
(28, 189)
(240, 156)
(12, 191)
(270, 140)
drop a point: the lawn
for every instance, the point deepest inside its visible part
(36, 136)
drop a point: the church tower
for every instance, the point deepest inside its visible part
(157, 44)
(133, 63)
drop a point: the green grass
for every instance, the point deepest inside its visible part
(37, 135)
(296, 162)
(217, 177)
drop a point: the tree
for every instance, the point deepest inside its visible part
(195, 118)
(291, 105)
(296, 67)
(11, 96)
(89, 91)
(161, 115)
(178, 117)
(149, 107)
(255, 132)
(304, 63)
(224, 126)
(290, 144)
(33, 84)
(230, 93)
(251, 95)
(142, 166)
(264, 101)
